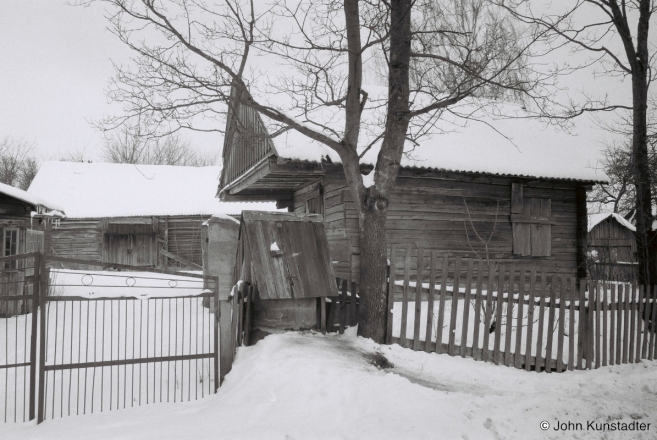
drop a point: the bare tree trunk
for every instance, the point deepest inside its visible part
(373, 206)
(640, 163)
(373, 271)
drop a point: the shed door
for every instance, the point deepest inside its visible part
(131, 249)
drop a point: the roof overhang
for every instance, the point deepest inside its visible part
(272, 179)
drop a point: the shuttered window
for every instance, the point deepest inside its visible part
(532, 224)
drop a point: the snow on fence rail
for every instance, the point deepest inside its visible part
(517, 316)
(80, 341)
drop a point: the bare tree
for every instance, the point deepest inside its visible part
(28, 171)
(616, 35)
(301, 64)
(130, 144)
(14, 156)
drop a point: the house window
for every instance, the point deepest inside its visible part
(11, 247)
(532, 224)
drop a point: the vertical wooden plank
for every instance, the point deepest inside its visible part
(455, 305)
(488, 305)
(633, 301)
(508, 355)
(653, 320)
(581, 328)
(562, 327)
(499, 301)
(353, 320)
(322, 316)
(605, 329)
(466, 309)
(571, 327)
(645, 317)
(541, 324)
(441, 305)
(590, 331)
(619, 325)
(517, 356)
(432, 291)
(476, 352)
(550, 329)
(516, 198)
(612, 324)
(407, 279)
(418, 298)
(247, 320)
(530, 320)
(391, 293)
(626, 321)
(598, 326)
(343, 306)
(639, 320)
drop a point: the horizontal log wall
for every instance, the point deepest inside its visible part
(76, 238)
(458, 213)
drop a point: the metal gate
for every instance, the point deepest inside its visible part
(19, 296)
(102, 340)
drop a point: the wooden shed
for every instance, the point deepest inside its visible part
(140, 215)
(522, 203)
(23, 219)
(612, 248)
(285, 256)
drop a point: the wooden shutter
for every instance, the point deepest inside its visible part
(541, 234)
(532, 224)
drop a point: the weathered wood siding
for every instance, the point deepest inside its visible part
(461, 214)
(76, 238)
(106, 240)
(183, 237)
(612, 251)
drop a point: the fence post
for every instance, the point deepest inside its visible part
(217, 357)
(35, 329)
(225, 334)
(44, 278)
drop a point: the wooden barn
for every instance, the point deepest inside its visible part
(23, 219)
(612, 248)
(521, 202)
(141, 215)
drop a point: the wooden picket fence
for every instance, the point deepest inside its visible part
(514, 314)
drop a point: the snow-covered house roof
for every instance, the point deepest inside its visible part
(595, 219)
(33, 199)
(530, 150)
(91, 190)
(513, 148)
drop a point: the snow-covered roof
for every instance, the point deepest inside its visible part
(30, 198)
(89, 190)
(532, 151)
(594, 219)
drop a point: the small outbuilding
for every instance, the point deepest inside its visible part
(23, 219)
(286, 257)
(611, 248)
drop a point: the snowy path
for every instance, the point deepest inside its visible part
(303, 386)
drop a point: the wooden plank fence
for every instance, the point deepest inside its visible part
(515, 314)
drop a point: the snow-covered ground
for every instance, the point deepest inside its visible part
(310, 386)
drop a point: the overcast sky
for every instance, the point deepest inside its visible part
(55, 62)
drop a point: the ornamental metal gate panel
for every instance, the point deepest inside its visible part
(76, 341)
